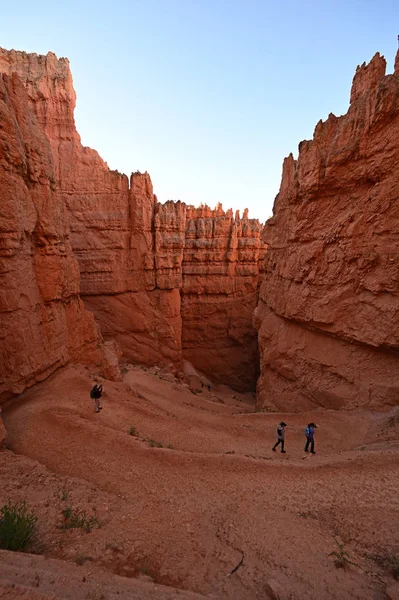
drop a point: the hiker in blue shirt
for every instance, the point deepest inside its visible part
(280, 437)
(309, 432)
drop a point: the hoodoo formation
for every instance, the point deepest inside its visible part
(328, 314)
(166, 282)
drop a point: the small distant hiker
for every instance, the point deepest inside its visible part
(309, 432)
(96, 393)
(280, 437)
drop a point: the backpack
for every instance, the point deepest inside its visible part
(92, 393)
(307, 432)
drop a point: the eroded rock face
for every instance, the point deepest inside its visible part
(222, 268)
(43, 322)
(194, 282)
(111, 223)
(163, 280)
(328, 314)
(130, 275)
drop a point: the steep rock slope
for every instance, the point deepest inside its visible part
(43, 322)
(139, 259)
(328, 315)
(111, 223)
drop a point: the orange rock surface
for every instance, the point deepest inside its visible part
(43, 322)
(163, 280)
(328, 314)
(186, 512)
(222, 268)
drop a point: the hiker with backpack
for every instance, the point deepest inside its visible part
(96, 393)
(309, 433)
(280, 437)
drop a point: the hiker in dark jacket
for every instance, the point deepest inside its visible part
(309, 432)
(280, 437)
(96, 393)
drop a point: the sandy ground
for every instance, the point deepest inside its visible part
(183, 515)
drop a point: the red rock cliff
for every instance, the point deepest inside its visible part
(111, 222)
(162, 280)
(131, 273)
(222, 261)
(328, 314)
(43, 322)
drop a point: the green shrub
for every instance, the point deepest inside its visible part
(154, 444)
(78, 519)
(17, 526)
(341, 557)
(133, 431)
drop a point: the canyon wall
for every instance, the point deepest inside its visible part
(222, 269)
(130, 277)
(166, 281)
(43, 322)
(328, 313)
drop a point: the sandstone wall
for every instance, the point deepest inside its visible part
(111, 222)
(43, 323)
(222, 263)
(162, 279)
(130, 263)
(328, 314)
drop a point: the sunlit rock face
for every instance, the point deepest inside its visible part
(43, 322)
(328, 313)
(163, 280)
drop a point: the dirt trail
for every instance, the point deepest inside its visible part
(185, 515)
(39, 578)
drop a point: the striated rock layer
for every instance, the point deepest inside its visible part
(328, 314)
(222, 268)
(164, 280)
(43, 322)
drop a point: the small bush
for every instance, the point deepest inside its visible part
(78, 519)
(341, 557)
(133, 431)
(80, 559)
(114, 546)
(154, 443)
(17, 526)
(148, 572)
(62, 494)
(389, 562)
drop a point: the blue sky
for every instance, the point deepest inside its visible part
(208, 96)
